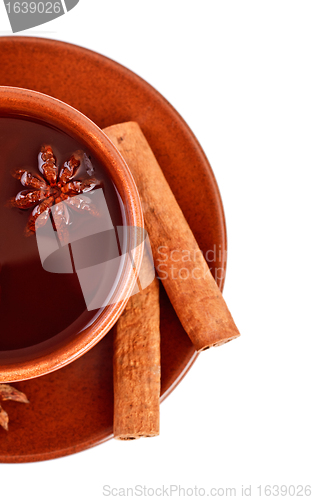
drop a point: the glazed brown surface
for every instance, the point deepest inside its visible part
(61, 420)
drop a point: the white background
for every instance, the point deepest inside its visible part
(240, 73)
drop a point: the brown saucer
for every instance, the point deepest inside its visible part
(71, 409)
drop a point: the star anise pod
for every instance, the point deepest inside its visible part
(52, 187)
(7, 392)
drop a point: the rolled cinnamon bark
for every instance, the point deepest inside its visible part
(136, 365)
(192, 289)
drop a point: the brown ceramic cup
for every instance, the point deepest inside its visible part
(50, 355)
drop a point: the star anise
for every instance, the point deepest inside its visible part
(7, 392)
(53, 187)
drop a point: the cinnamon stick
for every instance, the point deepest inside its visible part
(193, 291)
(136, 365)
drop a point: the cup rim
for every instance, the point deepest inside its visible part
(15, 101)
